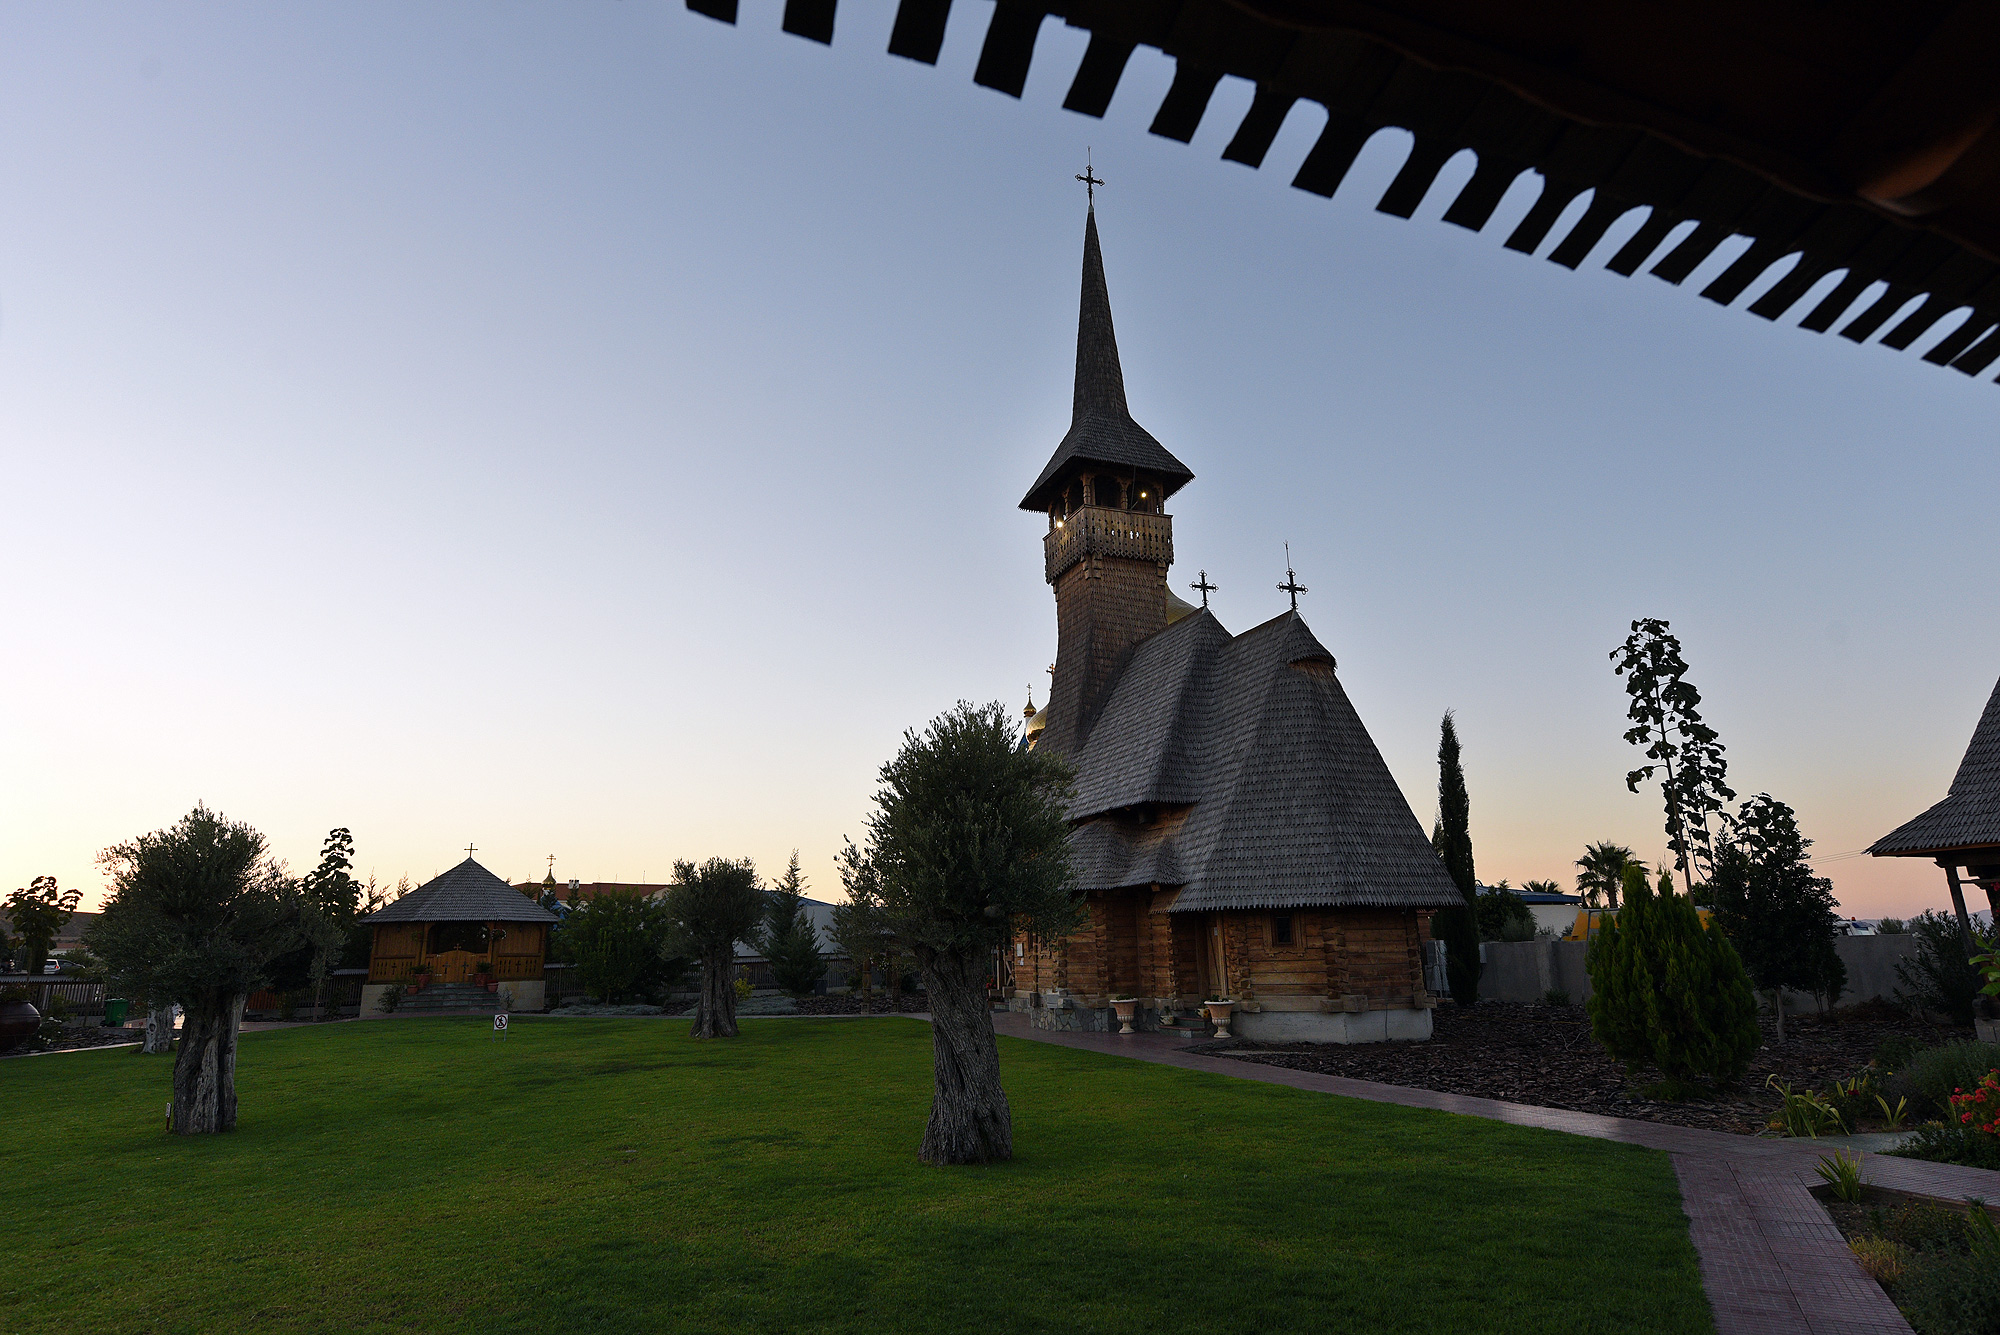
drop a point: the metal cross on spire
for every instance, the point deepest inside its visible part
(1090, 180)
(1291, 584)
(469, 850)
(1205, 587)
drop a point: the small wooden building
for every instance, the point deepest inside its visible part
(1236, 833)
(452, 924)
(1964, 829)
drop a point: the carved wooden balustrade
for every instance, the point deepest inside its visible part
(1097, 530)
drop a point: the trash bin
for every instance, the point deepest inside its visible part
(114, 1012)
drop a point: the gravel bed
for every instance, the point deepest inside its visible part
(77, 1036)
(1545, 1056)
(852, 1005)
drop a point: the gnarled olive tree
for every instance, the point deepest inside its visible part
(197, 913)
(968, 843)
(709, 909)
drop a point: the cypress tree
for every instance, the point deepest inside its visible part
(1668, 991)
(1458, 928)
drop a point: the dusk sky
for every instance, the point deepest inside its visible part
(594, 430)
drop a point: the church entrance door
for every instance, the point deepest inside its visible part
(1214, 977)
(454, 966)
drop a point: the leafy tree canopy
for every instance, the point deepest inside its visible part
(618, 943)
(970, 839)
(1686, 753)
(38, 913)
(1778, 914)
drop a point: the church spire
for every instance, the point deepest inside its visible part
(1100, 380)
(1102, 434)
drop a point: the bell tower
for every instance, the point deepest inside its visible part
(1110, 539)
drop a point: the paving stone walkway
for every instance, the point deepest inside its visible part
(1771, 1260)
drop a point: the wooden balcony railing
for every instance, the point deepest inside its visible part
(1098, 530)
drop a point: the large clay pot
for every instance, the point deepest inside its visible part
(1126, 1010)
(19, 1020)
(1218, 1011)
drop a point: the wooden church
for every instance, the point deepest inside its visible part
(1235, 830)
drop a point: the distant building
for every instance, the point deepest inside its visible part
(1553, 911)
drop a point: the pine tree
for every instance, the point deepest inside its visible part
(1779, 915)
(791, 941)
(1457, 927)
(1668, 991)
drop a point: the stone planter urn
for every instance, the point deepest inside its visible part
(19, 1020)
(1988, 1031)
(1126, 1007)
(1218, 1011)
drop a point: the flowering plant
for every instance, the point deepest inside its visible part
(1980, 1109)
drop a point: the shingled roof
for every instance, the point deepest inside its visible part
(1969, 816)
(466, 893)
(1101, 429)
(1237, 769)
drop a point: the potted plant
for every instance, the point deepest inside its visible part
(482, 972)
(19, 1020)
(1126, 1008)
(1218, 1011)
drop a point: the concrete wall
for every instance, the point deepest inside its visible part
(1527, 970)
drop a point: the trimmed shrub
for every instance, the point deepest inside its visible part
(1930, 1077)
(1668, 990)
(1939, 977)
(1950, 1294)
(1936, 1142)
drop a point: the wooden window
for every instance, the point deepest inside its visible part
(1281, 929)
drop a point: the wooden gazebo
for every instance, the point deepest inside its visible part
(1964, 829)
(449, 926)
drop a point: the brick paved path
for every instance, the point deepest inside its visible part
(1771, 1260)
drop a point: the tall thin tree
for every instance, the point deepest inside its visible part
(1457, 927)
(1686, 753)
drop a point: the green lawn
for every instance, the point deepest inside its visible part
(586, 1175)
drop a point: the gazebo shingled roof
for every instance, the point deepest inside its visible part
(1859, 138)
(466, 893)
(1969, 816)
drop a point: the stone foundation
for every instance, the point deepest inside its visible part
(1383, 1026)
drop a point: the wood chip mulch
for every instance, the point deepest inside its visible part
(852, 1005)
(1545, 1056)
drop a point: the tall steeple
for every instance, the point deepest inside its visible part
(1110, 540)
(1101, 429)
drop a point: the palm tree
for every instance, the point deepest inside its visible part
(1602, 871)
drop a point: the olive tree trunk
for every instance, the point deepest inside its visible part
(715, 1012)
(970, 1121)
(159, 1029)
(205, 1069)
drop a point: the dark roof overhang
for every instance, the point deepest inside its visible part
(1864, 139)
